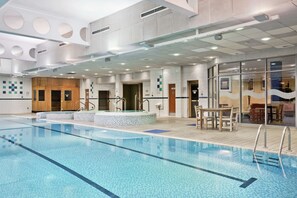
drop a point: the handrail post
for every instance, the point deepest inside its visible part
(286, 129)
(257, 137)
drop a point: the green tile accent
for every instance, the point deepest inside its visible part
(4, 87)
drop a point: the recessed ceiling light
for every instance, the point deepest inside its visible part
(96, 74)
(61, 74)
(293, 65)
(214, 47)
(175, 54)
(240, 28)
(87, 70)
(127, 69)
(123, 63)
(110, 72)
(147, 66)
(259, 60)
(265, 39)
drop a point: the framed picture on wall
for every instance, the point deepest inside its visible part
(225, 84)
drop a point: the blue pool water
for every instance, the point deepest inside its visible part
(41, 159)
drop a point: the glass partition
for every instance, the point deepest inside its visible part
(229, 91)
(253, 98)
(281, 91)
(264, 89)
(253, 91)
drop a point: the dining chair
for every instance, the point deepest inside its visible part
(205, 119)
(231, 122)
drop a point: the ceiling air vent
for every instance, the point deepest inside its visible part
(41, 51)
(101, 30)
(152, 11)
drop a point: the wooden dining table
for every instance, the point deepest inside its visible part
(220, 111)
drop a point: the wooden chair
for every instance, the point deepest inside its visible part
(231, 122)
(205, 119)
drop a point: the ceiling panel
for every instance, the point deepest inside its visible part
(278, 31)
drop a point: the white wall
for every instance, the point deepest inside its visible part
(91, 84)
(96, 85)
(170, 75)
(17, 101)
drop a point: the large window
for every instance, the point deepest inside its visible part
(264, 89)
(229, 84)
(281, 91)
(253, 91)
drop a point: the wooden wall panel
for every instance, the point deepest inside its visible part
(49, 84)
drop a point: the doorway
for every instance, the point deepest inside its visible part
(133, 95)
(103, 102)
(193, 94)
(56, 100)
(87, 93)
(171, 88)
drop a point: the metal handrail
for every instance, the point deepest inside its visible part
(119, 99)
(286, 129)
(93, 105)
(81, 108)
(148, 104)
(257, 137)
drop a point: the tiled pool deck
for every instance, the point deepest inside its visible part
(184, 128)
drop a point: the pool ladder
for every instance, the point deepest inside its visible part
(270, 160)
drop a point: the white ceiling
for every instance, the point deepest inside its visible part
(283, 34)
(87, 10)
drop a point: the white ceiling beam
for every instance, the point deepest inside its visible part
(180, 6)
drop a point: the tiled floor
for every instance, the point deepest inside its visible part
(245, 136)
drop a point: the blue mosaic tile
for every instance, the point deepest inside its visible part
(156, 131)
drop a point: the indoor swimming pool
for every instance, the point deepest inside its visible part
(51, 159)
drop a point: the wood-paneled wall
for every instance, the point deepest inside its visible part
(57, 84)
